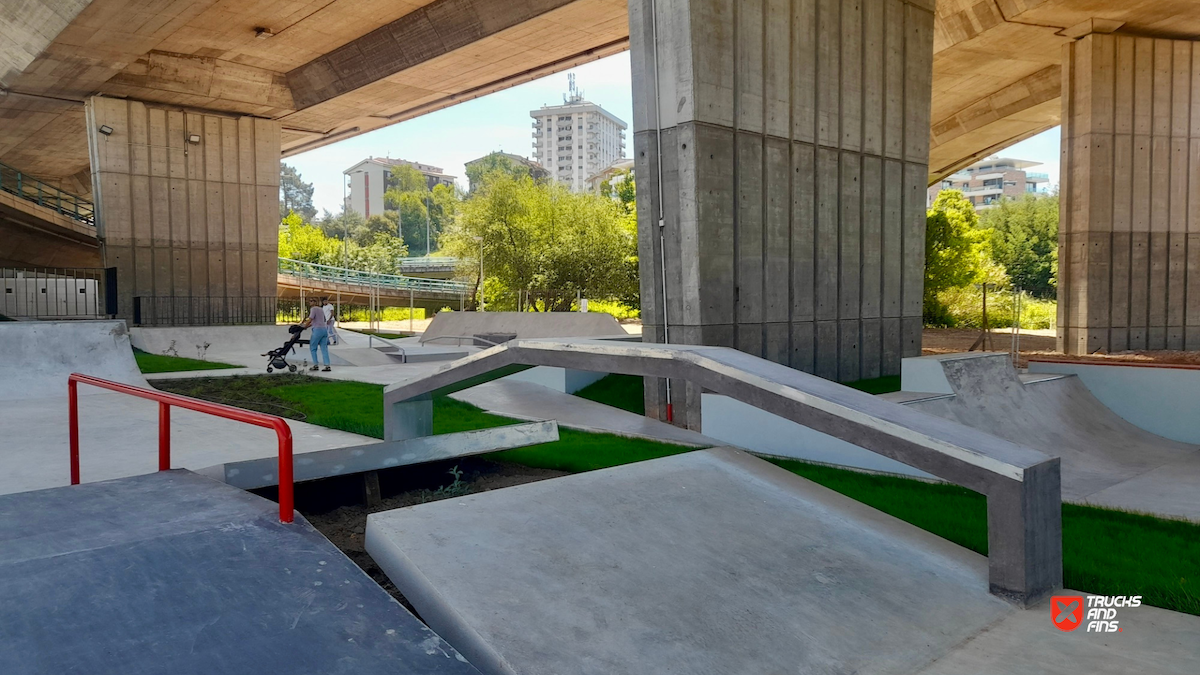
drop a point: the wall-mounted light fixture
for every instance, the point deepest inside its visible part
(194, 139)
(105, 129)
(263, 33)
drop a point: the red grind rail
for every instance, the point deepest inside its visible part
(165, 401)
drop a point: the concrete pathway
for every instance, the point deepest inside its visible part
(529, 401)
(119, 438)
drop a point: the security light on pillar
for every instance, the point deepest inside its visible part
(194, 139)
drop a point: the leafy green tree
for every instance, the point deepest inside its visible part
(405, 178)
(955, 250)
(496, 163)
(338, 226)
(1024, 241)
(621, 186)
(543, 240)
(295, 196)
(300, 241)
(378, 252)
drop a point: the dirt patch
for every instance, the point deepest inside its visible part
(346, 526)
(1041, 344)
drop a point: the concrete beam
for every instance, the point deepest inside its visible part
(1022, 485)
(431, 31)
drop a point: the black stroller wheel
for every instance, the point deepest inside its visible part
(291, 369)
(270, 369)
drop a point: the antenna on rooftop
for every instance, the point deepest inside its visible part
(575, 94)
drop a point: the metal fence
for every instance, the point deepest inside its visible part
(26, 187)
(58, 293)
(327, 273)
(203, 311)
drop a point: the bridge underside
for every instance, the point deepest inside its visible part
(201, 98)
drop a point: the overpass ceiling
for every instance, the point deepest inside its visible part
(337, 68)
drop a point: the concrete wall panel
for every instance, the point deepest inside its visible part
(1127, 271)
(186, 219)
(800, 205)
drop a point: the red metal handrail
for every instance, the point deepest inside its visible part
(165, 401)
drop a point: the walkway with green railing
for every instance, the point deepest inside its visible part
(326, 273)
(26, 187)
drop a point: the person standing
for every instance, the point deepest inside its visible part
(330, 321)
(320, 333)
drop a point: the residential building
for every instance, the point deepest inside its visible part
(371, 178)
(596, 180)
(577, 139)
(536, 170)
(987, 181)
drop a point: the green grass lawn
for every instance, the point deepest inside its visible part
(1104, 551)
(619, 391)
(387, 335)
(625, 391)
(161, 363)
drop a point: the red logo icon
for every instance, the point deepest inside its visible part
(1066, 611)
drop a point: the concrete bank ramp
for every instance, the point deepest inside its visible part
(41, 354)
(524, 325)
(174, 573)
(239, 345)
(1105, 459)
(711, 562)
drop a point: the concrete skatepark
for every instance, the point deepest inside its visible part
(604, 534)
(790, 143)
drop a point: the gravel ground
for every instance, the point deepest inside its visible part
(1040, 343)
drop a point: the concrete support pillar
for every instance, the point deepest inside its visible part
(1129, 236)
(792, 140)
(187, 209)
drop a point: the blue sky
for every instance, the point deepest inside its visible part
(501, 121)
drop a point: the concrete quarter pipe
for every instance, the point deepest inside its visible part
(1105, 460)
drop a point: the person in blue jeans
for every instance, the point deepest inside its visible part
(320, 333)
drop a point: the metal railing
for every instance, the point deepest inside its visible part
(57, 292)
(342, 275)
(433, 261)
(282, 431)
(26, 187)
(156, 310)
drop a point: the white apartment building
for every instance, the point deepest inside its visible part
(576, 140)
(370, 178)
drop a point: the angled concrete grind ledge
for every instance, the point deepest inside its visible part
(1022, 485)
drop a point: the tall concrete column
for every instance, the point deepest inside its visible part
(187, 208)
(791, 140)
(1129, 238)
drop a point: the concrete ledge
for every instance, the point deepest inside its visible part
(258, 473)
(708, 562)
(1022, 484)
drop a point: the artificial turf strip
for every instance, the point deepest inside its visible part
(619, 391)
(358, 407)
(161, 363)
(625, 391)
(1105, 551)
(880, 385)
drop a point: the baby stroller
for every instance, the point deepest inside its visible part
(277, 358)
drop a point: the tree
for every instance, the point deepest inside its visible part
(621, 186)
(955, 250)
(379, 251)
(295, 196)
(339, 225)
(1024, 241)
(480, 171)
(405, 178)
(544, 241)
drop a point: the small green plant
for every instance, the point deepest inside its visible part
(456, 489)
